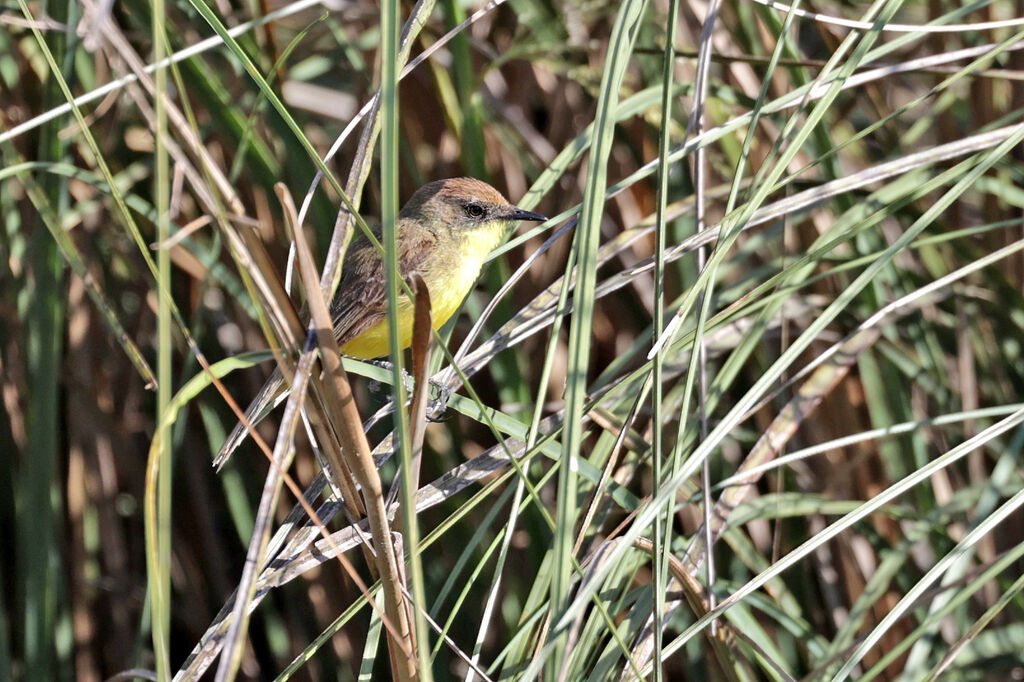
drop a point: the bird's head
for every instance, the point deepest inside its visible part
(464, 204)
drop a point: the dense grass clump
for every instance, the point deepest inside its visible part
(748, 406)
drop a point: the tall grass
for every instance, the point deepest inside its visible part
(748, 406)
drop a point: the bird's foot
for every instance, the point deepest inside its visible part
(436, 409)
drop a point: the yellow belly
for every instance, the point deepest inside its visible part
(373, 343)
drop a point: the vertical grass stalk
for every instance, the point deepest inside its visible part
(38, 506)
(389, 159)
(662, 530)
(160, 574)
(588, 237)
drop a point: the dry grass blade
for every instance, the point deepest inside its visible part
(284, 451)
(695, 596)
(356, 452)
(421, 340)
(341, 412)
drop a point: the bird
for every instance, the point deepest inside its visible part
(444, 233)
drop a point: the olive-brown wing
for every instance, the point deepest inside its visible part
(361, 301)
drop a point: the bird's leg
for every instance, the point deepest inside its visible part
(437, 408)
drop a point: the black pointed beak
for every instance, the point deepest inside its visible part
(520, 214)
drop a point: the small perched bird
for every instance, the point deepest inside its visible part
(444, 233)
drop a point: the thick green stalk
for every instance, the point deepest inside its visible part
(38, 503)
(389, 159)
(160, 574)
(587, 240)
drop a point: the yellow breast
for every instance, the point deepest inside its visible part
(449, 286)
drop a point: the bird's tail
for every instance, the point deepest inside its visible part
(265, 401)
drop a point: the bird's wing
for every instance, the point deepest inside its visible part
(361, 300)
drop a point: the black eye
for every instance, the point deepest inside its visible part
(474, 210)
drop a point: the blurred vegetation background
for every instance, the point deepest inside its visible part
(797, 287)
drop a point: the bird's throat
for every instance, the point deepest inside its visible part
(451, 281)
